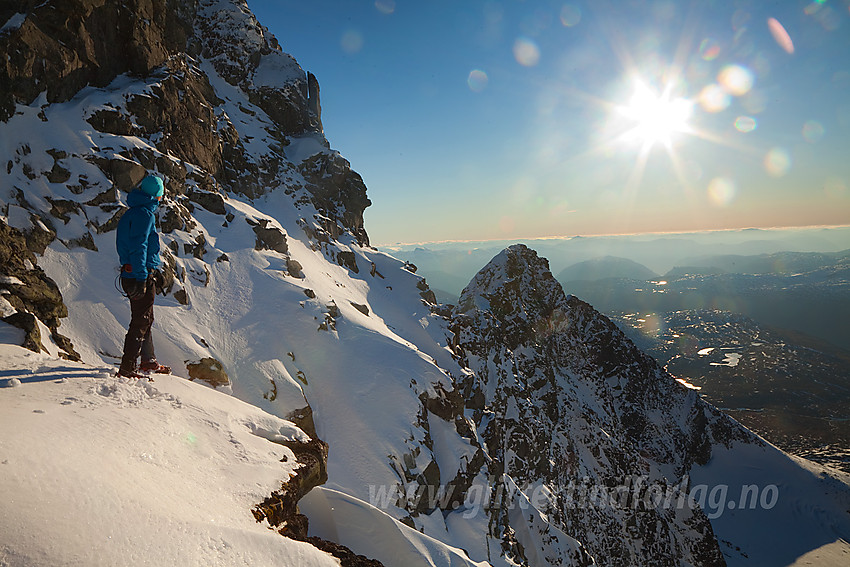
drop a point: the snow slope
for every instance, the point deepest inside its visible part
(801, 507)
(104, 471)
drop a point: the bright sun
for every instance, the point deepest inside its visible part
(656, 118)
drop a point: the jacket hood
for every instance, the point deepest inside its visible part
(139, 198)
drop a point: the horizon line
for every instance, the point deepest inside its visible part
(603, 235)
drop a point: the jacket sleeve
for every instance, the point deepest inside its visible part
(138, 236)
(152, 261)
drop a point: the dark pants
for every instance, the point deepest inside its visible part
(138, 340)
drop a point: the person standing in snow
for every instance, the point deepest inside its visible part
(137, 242)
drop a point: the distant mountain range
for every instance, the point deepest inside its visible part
(605, 268)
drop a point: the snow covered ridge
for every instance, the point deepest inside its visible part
(106, 471)
(503, 408)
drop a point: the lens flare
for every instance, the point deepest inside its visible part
(652, 325)
(745, 124)
(740, 19)
(526, 52)
(735, 79)
(713, 98)
(721, 191)
(827, 17)
(351, 42)
(780, 35)
(813, 8)
(477, 80)
(813, 131)
(777, 162)
(570, 15)
(709, 49)
(385, 6)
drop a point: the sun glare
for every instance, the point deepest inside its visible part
(656, 118)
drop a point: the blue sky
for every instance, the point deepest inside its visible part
(481, 120)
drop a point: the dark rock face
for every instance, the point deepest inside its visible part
(560, 396)
(36, 296)
(270, 238)
(347, 558)
(338, 191)
(314, 103)
(280, 509)
(65, 45)
(29, 325)
(213, 202)
(180, 109)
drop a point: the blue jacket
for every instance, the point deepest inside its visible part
(136, 239)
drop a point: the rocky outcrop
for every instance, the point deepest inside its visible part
(64, 45)
(246, 56)
(338, 191)
(280, 509)
(208, 370)
(270, 238)
(29, 295)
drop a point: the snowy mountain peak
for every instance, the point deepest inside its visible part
(515, 281)
(560, 395)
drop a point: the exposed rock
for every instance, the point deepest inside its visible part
(29, 324)
(36, 295)
(294, 268)
(198, 249)
(208, 370)
(280, 508)
(303, 418)
(181, 296)
(67, 45)
(58, 174)
(126, 174)
(175, 217)
(84, 241)
(112, 223)
(270, 239)
(360, 307)
(347, 259)
(337, 191)
(425, 292)
(110, 196)
(180, 110)
(213, 202)
(112, 121)
(40, 234)
(61, 209)
(347, 558)
(314, 104)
